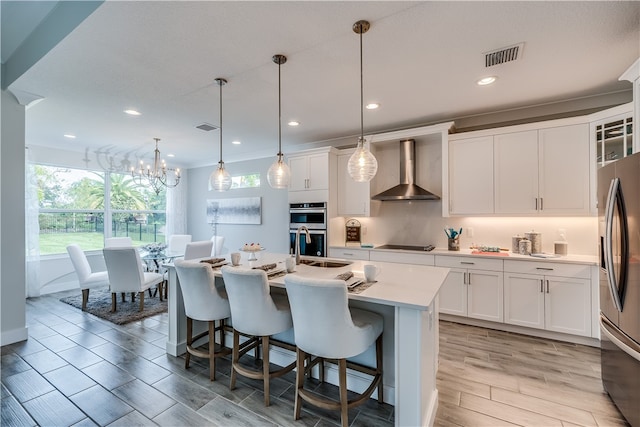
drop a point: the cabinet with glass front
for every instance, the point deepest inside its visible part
(614, 139)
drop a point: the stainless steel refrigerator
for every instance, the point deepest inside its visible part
(619, 230)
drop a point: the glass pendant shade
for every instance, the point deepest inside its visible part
(279, 174)
(362, 166)
(220, 180)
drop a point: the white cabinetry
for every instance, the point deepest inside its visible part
(349, 253)
(354, 198)
(551, 296)
(313, 175)
(473, 288)
(534, 169)
(543, 171)
(471, 176)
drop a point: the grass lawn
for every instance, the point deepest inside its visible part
(56, 243)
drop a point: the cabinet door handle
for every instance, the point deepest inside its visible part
(464, 278)
(547, 286)
(467, 262)
(469, 276)
(541, 286)
(536, 203)
(541, 203)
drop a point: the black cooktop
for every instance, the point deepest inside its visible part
(426, 248)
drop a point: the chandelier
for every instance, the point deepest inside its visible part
(362, 166)
(279, 173)
(156, 176)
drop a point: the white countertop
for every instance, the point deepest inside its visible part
(399, 285)
(570, 259)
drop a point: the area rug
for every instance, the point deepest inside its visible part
(100, 305)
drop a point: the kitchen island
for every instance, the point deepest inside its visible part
(404, 294)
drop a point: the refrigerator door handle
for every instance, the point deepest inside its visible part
(621, 341)
(608, 242)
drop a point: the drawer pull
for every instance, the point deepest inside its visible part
(347, 254)
(544, 268)
(467, 262)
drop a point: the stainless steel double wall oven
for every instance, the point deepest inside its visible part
(312, 215)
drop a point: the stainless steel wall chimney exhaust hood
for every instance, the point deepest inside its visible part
(407, 189)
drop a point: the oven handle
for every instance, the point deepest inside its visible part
(307, 210)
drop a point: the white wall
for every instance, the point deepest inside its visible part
(273, 233)
(12, 224)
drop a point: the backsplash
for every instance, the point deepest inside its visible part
(421, 223)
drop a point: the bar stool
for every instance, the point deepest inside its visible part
(202, 301)
(258, 314)
(325, 327)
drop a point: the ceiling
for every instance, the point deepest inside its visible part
(421, 62)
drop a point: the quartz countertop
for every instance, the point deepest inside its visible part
(570, 258)
(406, 285)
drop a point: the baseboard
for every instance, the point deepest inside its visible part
(14, 335)
(575, 339)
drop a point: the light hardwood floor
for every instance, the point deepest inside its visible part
(79, 370)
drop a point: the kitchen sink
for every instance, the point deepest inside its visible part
(325, 264)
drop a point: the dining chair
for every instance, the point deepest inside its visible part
(86, 278)
(203, 302)
(218, 243)
(178, 243)
(195, 250)
(257, 313)
(126, 275)
(326, 327)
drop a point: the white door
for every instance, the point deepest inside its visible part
(564, 170)
(471, 176)
(524, 300)
(516, 172)
(299, 171)
(453, 293)
(485, 295)
(568, 305)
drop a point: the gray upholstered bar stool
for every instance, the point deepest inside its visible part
(202, 301)
(256, 313)
(327, 328)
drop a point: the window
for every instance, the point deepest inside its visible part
(72, 209)
(245, 181)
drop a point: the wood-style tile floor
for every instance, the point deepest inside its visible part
(78, 370)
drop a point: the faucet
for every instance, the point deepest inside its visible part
(297, 245)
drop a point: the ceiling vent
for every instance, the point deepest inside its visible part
(206, 127)
(506, 54)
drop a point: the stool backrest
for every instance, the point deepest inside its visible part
(202, 301)
(321, 317)
(195, 250)
(250, 300)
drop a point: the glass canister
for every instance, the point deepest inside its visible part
(515, 244)
(524, 246)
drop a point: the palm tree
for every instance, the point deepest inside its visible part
(125, 194)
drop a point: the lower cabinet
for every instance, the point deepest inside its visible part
(551, 296)
(472, 292)
(349, 253)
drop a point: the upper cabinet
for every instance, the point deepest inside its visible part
(534, 169)
(354, 198)
(612, 133)
(313, 175)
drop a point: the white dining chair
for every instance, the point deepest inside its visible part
(178, 243)
(218, 243)
(195, 250)
(325, 327)
(126, 275)
(86, 278)
(203, 302)
(255, 312)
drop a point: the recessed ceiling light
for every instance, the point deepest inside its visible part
(68, 135)
(294, 123)
(236, 142)
(171, 155)
(372, 106)
(486, 80)
(132, 112)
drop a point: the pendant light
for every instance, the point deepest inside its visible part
(279, 173)
(220, 180)
(362, 166)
